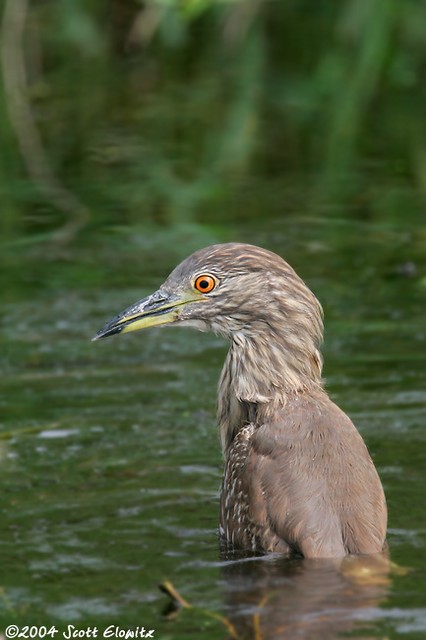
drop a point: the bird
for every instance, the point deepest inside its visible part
(298, 478)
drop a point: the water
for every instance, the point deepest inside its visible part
(111, 465)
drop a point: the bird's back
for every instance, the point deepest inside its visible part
(300, 479)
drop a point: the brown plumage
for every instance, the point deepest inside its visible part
(298, 477)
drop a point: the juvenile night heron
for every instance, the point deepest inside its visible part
(298, 477)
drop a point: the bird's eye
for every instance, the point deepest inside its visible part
(205, 283)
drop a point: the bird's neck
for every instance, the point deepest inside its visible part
(259, 372)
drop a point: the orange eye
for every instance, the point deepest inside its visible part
(205, 284)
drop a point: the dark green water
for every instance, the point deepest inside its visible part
(111, 465)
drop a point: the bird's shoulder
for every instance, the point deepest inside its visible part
(305, 421)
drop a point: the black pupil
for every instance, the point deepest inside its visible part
(204, 284)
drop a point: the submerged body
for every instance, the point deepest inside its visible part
(298, 477)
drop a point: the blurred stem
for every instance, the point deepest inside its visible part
(358, 82)
(167, 587)
(23, 123)
(229, 151)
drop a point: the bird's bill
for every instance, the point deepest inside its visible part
(155, 310)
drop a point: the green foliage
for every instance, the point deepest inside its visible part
(166, 113)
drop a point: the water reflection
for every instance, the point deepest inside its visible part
(273, 598)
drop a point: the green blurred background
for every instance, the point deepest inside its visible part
(128, 126)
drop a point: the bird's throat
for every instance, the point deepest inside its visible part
(260, 373)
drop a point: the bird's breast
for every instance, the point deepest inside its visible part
(234, 507)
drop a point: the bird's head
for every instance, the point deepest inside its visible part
(235, 290)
